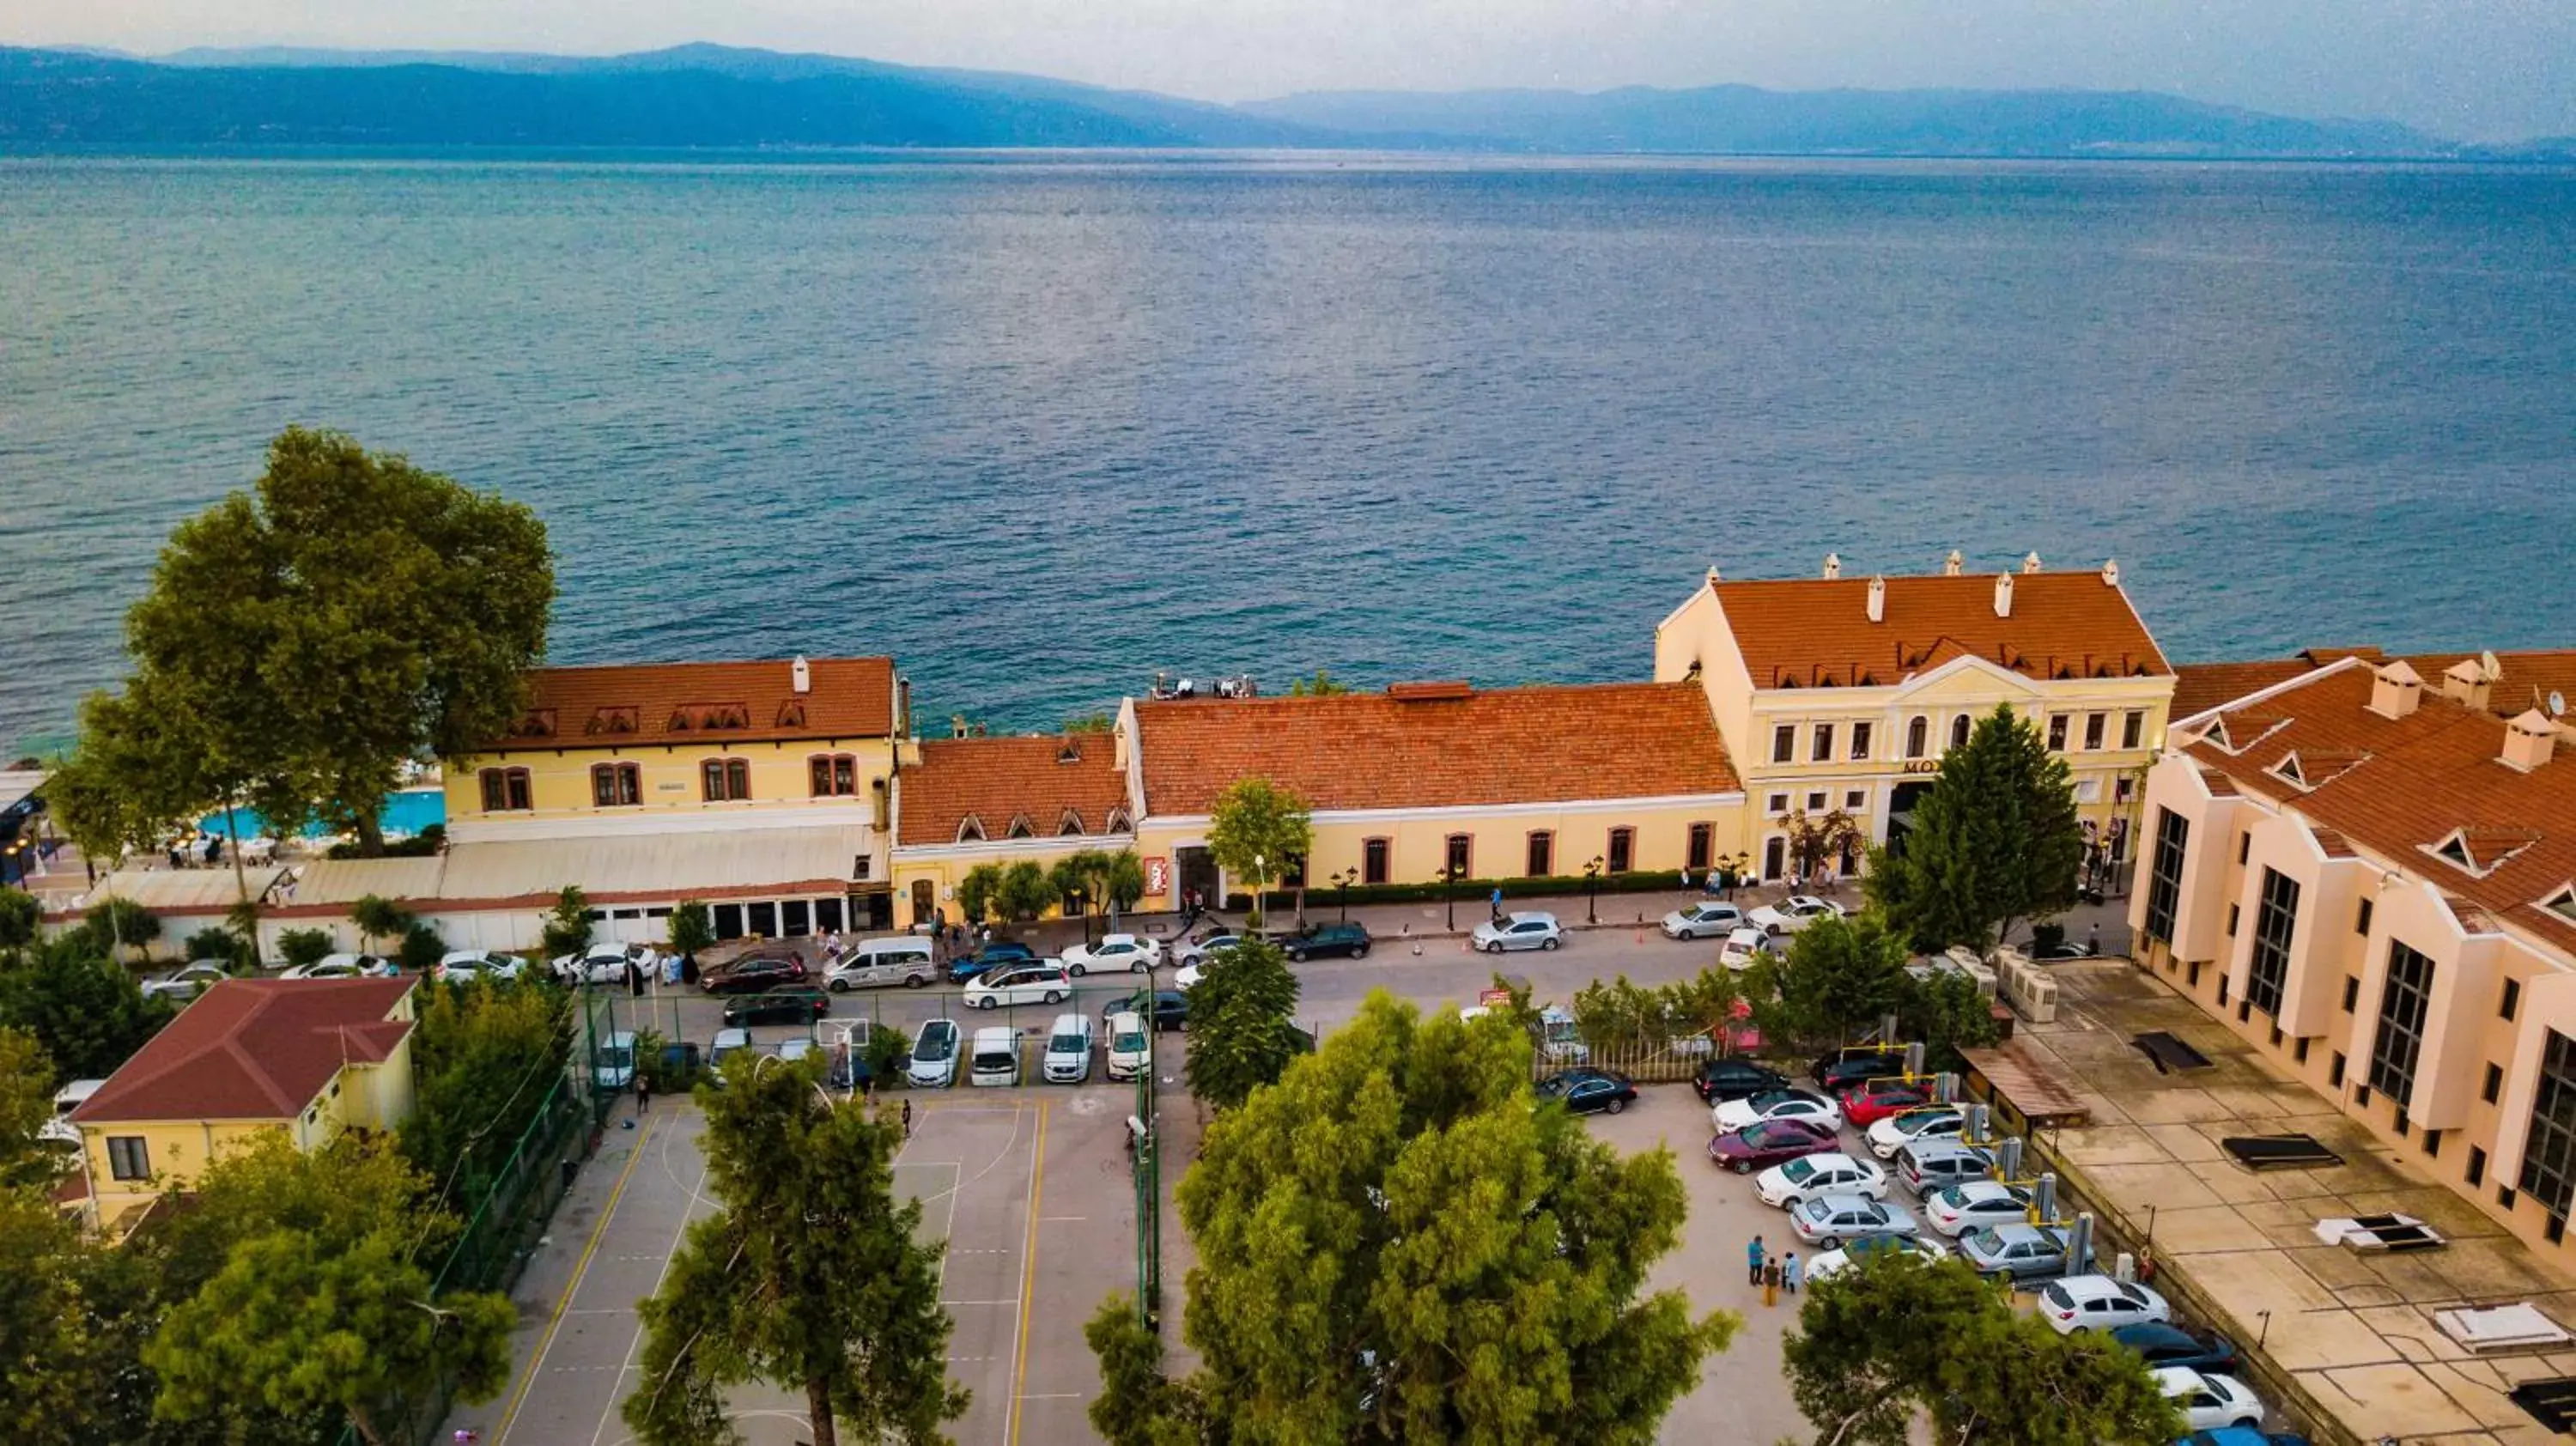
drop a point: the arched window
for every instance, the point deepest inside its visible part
(506, 790)
(1917, 734)
(725, 780)
(616, 785)
(1959, 731)
(970, 829)
(1070, 826)
(833, 775)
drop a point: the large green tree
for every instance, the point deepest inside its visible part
(323, 1300)
(1994, 843)
(1023, 892)
(89, 1014)
(1258, 830)
(26, 1107)
(1395, 1244)
(1106, 880)
(20, 918)
(301, 640)
(811, 1277)
(1240, 1036)
(1895, 1340)
(486, 1056)
(1840, 978)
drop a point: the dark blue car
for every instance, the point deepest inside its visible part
(991, 956)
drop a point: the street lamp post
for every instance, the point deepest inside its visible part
(1342, 890)
(1592, 891)
(1449, 888)
(1260, 876)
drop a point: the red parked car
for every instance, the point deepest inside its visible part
(1765, 1143)
(1868, 1104)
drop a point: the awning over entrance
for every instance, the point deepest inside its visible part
(2027, 1090)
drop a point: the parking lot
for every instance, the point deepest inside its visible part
(1030, 1188)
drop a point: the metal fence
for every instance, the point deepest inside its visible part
(1647, 1060)
(1145, 1134)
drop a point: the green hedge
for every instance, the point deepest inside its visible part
(1639, 881)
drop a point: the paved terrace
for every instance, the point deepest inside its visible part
(2350, 1338)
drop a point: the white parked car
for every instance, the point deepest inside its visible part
(1798, 1181)
(1834, 1262)
(1519, 931)
(795, 1048)
(727, 1040)
(187, 982)
(1043, 982)
(2208, 1402)
(934, 1055)
(1829, 1220)
(1702, 921)
(1744, 947)
(2098, 1303)
(614, 1069)
(606, 964)
(462, 965)
(1068, 1051)
(1197, 953)
(1188, 975)
(1956, 1209)
(1115, 953)
(1894, 1133)
(1804, 1106)
(341, 966)
(1792, 914)
(1130, 1053)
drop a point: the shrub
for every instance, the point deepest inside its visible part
(421, 949)
(300, 947)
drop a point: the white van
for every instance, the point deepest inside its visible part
(995, 1059)
(1068, 1052)
(613, 1068)
(874, 962)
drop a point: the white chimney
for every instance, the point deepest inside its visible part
(2110, 572)
(1950, 565)
(2030, 563)
(2466, 681)
(1712, 577)
(2395, 690)
(1878, 599)
(2529, 740)
(1833, 565)
(800, 674)
(2003, 594)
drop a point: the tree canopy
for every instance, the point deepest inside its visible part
(811, 1277)
(301, 640)
(26, 1107)
(1895, 1338)
(1394, 1244)
(90, 1015)
(1839, 979)
(485, 1055)
(1107, 880)
(1240, 1036)
(20, 916)
(1257, 830)
(1994, 842)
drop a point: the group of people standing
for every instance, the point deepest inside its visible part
(1773, 1276)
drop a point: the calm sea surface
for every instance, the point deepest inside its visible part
(1041, 426)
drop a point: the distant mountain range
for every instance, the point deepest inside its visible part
(712, 96)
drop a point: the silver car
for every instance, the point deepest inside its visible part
(1519, 931)
(2021, 1252)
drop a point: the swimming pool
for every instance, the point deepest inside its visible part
(407, 811)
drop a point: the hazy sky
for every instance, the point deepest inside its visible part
(2476, 69)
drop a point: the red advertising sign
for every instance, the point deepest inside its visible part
(1158, 876)
(1495, 999)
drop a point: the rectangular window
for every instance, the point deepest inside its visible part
(1856, 800)
(1623, 850)
(2432, 1144)
(726, 779)
(827, 916)
(2222, 995)
(506, 790)
(1542, 854)
(495, 798)
(795, 918)
(2299, 1050)
(2123, 789)
(2505, 1198)
(1458, 857)
(818, 775)
(728, 921)
(2057, 732)
(2244, 846)
(2476, 1174)
(2493, 1085)
(1703, 845)
(2133, 730)
(2093, 726)
(1860, 742)
(1777, 803)
(2164, 881)
(2234, 912)
(127, 1159)
(1816, 801)
(762, 918)
(711, 780)
(1822, 750)
(616, 785)
(1784, 743)
(2549, 1150)
(2361, 919)
(2512, 1000)
(2276, 918)
(2334, 1071)
(2351, 993)
(1373, 861)
(2402, 1007)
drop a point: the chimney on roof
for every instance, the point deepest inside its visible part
(2395, 690)
(1833, 565)
(1878, 599)
(2110, 572)
(1950, 565)
(2031, 563)
(2003, 594)
(1712, 577)
(2529, 740)
(2466, 681)
(800, 674)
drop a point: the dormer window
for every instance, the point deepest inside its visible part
(2289, 772)
(1070, 826)
(791, 714)
(611, 720)
(536, 723)
(1071, 752)
(2562, 903)
(1118, 821)
(1020, 828)
(970, 829)
(2479, 851)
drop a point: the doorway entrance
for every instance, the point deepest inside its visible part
(1195, 869)
(1900, 814)
(925, 902)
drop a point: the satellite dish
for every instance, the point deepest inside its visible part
(2557, 704)
(2494, 669)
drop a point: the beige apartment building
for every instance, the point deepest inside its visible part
(2366, 869)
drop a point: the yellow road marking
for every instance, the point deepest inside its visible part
(598, 1232)
(1028, 1276)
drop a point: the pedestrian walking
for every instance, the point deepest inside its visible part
(1498, 903)
(1771, 1284)
(1753, 1261)
(907, 1119)
(634, 978)
(2093, 941)
(1791, 1272)
(643, 1093)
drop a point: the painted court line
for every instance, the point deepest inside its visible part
(598, 1231)
(1028, 1277)
(616, 1395)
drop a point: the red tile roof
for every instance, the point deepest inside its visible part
(1816, 632)
(2199, 687)
(1373, 750)
(2416, 781)
(638, 703)
(995, 780)
(253, 1049)
(2527, 681)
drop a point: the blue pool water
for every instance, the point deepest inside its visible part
(406, 812)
